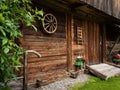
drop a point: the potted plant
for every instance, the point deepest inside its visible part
(80, 62)
(116, 57)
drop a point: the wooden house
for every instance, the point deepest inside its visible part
(72, 28)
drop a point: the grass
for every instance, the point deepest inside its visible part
(95, 83)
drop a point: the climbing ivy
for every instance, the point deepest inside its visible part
(12, 13)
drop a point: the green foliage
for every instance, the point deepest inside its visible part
(12, 13)
(5, 88)
(95, 83)
(79, 62)
(77, 86)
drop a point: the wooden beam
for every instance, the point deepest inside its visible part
(55, 5)
(98, 14)
(69, 36)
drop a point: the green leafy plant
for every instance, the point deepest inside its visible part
(79, 62)
(12, 13)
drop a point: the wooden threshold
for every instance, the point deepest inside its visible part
(104, 71)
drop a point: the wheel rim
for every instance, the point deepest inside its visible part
(50, 23)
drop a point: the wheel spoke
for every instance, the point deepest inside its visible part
(46, 24)
(55, 23)
(47, 17)
(50, 29)
(47, 27)
(46, 20)
(51, 17)
(53, 26)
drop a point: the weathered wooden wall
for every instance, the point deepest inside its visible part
(59, 50)
(91, 41)
(53, 63)
(78, 45)
(111, 7)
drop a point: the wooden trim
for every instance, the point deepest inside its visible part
(104, 44)
(86, 38)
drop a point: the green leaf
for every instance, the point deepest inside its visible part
(2, 19)
(1, 29)
(28, 23)
(42, 20)
(16, 1)
(34, 28)
(40, 12)
(4, 7)
(2, 60)
(6, 50)
(4, 41)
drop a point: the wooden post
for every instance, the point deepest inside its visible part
(86, 38)
(25, 72)
(69, 38)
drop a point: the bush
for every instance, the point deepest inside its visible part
(12, 12)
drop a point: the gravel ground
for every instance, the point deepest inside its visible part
(65, 83)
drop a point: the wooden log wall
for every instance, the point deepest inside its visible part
(111, 7)
(79, 48)
(59, 50)
(53, 63)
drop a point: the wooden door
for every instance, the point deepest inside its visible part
(94, 43)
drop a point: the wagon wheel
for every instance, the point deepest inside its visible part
(50, 23)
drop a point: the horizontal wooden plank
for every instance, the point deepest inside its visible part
(45, 44)
(48, 53)
(76, 46)
(46, 63)
(51, 58)
(42, 38)
(47, 76)
(49, 49)
(45, 47)
(60, 32)
(46, 68)
(58, 43)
